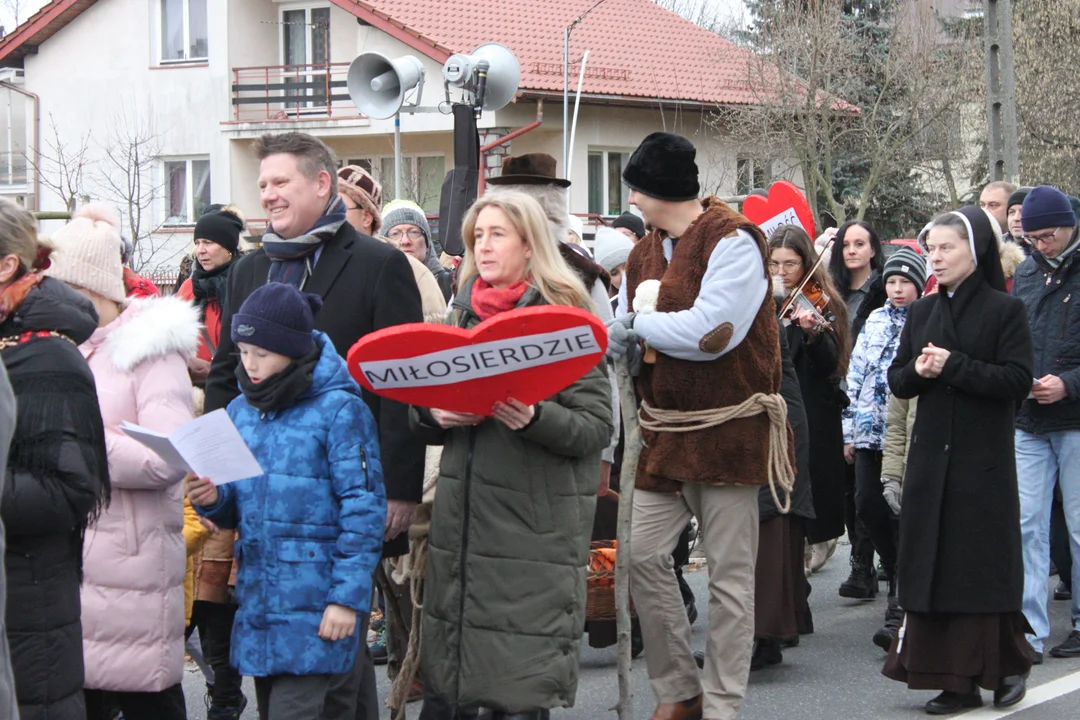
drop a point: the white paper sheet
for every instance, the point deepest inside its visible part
(209, 446)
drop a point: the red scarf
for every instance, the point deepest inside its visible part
(488, 301)
(12, 296)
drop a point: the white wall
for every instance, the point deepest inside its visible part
(100, 77)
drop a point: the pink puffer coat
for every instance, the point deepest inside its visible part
(134, 561)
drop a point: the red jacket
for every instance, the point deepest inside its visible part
(212, 321)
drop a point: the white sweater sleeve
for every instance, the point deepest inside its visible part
(732, 291)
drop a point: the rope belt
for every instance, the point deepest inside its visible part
(780, 470)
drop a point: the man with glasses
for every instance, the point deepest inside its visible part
(1048, 424)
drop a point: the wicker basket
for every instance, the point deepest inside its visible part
(600, 597)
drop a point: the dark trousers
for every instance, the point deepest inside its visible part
(291, 697)
(215, 622)
(862, 549)
(167, 704)
(354, 696)
(1060, 554)
(882, 527)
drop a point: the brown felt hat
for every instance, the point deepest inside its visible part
(530, 169)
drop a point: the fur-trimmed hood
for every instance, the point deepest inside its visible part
(147, 329)
(1011, 257)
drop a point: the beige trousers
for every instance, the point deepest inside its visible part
(728, 517)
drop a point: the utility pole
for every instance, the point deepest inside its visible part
(1004, 143)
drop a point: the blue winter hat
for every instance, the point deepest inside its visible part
(1046, 207)
(279, 318)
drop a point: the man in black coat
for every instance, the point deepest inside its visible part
(365, 285)
(1048, 425)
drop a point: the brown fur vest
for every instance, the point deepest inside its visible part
(735, 453)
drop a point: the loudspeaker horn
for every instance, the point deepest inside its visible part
(503, 73)
(378, 84)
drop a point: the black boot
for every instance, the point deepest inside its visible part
(861, 583)
(948, 703)
(1011, 691)
(894, 618)
(687, 597)
(766, 652)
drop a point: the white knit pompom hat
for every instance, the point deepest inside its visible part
(88, 252)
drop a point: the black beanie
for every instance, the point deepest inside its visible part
(220, 227)
(1017, 198)
(631, 222)
(279, 318)
(663, 167)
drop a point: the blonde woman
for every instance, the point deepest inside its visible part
(509, 543)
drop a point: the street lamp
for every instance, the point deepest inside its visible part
(566, 82)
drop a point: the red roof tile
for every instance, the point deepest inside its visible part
(38, 28)
(638, 50)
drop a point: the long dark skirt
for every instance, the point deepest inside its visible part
(781, 610)
(957, 652)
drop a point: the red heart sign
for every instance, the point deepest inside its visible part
(786, 205)
(527, 354)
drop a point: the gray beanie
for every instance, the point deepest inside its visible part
(908, 263)
(612, 248)
(403, 212)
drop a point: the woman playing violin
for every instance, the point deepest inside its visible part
(818, 333)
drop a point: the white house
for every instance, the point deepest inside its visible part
(170, 93)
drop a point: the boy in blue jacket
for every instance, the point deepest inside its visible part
(311, 527)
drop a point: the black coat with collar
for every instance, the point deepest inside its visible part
(960, 548)
(365, 286)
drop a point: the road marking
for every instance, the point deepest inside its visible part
(1035, 696)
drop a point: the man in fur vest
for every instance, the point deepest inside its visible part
(714, 425)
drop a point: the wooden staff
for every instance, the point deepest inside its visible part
(631, 453)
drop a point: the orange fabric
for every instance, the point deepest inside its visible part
(212, 321)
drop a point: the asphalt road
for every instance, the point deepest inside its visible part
(833, 675)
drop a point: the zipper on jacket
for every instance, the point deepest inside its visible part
(363, 466)
(1065, 315)
(467, 501)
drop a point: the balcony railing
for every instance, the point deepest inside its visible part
(12, 168)
(291, 92)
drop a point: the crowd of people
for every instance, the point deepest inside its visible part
(924, 400)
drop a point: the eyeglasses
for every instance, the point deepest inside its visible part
(788, 266)
(1048, 237)
(415, 234)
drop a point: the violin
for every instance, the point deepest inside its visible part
(809, 295)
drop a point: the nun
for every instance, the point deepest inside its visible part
(966, 353)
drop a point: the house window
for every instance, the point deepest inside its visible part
(305, 46)
(607, 193)
(183, 31)
(421, 178)
(751, 174)
(187, 183)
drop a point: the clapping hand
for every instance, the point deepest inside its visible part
(931, 362)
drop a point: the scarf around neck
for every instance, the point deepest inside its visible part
(282, 390)
(209, 285)
(13, 295)
(1074, 244)
(291, 259)
(488, 301)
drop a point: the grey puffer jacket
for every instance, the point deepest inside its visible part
(1055, 331)
(504, 604)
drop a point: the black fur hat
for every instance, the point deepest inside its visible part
(663, 167)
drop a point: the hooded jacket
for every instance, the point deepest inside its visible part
(55, 474)
(296, 557)
(868, 378)
(134, 559)
(504, 604)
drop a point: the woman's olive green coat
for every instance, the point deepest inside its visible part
(504, 599)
